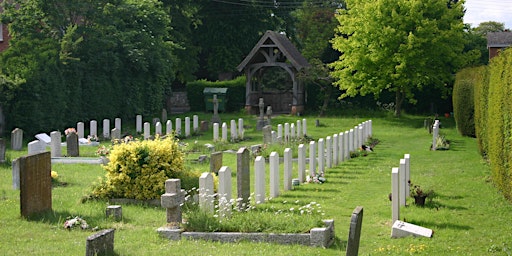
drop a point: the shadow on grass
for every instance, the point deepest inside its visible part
(445, 225)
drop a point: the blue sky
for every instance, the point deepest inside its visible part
(478, 11)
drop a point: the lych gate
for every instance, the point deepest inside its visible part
(273, 53)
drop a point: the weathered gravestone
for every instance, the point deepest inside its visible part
(261, 120)
(101, 243)
(17, 139)
(16, 174)
(164, 115)
(44, 138)
(172, 199)
(147, 130)
(243, 177)
(138, 123)
(56, 147)
(267, 135)
(204, 126)
(403, 229)
(195, 123)
(354, 234)
(115, 134)
(73, 150)
(35, 184)
(2, 150)
(114, 211)
(215, 161)
(80, 129)
(117, 124)
(215, 117)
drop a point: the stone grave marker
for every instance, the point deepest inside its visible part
(298, 128)
(354, 234)
(312, 158)
(292, 131)
(259, 180)
(241, 128)
(117, 124)
(243, 178)
(158, 128)
(403, 229)
(204, 126)
(301, 162)
(403, 182)
(114, 211)
(395, 195)
(56, 144)
(224, 192)
(261, 120)
(206, 190)
(321, 157)
(286, 137)
(288, 167)
(187, 126)
(328, 151)
(215, 131)
(346, 148)
(177, 123)
(44, 138)
(341, 153)
(215, 117)
(304, 127)
(2, 150)
(215, 161)
(435, 134)
(147, 130)
(35, 184)
(16, 174)
(138, 123)
(116, 134)
(267, 135)
(171, 200)
(195, 123)
(80, 129)
(233, 131)
(335, 149)
(407, 158)
(351, 140)
(168, 127)
(224, 131)
(279, 133)
(164, 114)
(274, 174)
(17, 139)
(269, 114)
(93, 128)
(73, 150)
(274, 137)
(101, 243)
(106, 128)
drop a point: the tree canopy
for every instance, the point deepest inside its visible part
(397, 45)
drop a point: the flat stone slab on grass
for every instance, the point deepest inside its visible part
(77, 160)
(403, 229)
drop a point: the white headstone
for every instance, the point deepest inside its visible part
(301, 162)
(304, 127)
(299, 131)
(312, 158)
(36, 147)
(286, 132)
(224, 191)
(403, 229)
(321, 157)
(80, 129)
(435, 134)
(233, 130)
(138, 123)
(93, 129)
(168, 127)
(335, 149)
(274, 136)
(346, 148)
(351, 140)
(44, 138)
(106, 128)
(403, 182)
(241, 130)
(206, 192)
(328, 151)
(16, 139)
(362, 139)
(187, 126)
(341, 153)
(395, 195)
(259, 180)
(224, 131)
(274, 174)
(407, 158)
(215, 131)
(177, 123)
(292, 131)
(158, 128)
(279, 132)
(288, 166)
(370, 131)
(56, 144)
(16, 174)
(147, 130)
(117, 124)
(195, 120)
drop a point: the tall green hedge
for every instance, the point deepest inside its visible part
(235, 95)
(463, 103)
(481, 101)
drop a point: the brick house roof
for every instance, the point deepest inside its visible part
(499, 39)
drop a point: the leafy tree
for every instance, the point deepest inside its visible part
(397, 46)
(489, 26)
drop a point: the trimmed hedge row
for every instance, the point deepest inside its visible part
(463, 105)
(235, 95)
(492, 100)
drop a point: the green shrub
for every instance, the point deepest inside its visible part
(463, 101)
(481, 108)
(139, 169)
(235, 95)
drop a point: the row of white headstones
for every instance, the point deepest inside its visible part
(331, 151)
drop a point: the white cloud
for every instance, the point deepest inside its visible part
(478, 11)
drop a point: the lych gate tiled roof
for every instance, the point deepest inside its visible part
(271, 38)
(499, 39)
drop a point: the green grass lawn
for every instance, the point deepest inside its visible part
(468, 215)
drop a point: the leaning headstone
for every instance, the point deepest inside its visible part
(147, 130)
(114, 211)
(73, 150)
(187, 126)
(17, 139)
(403, 229)
(312, 158)
(354, 234)
(267, 135)
(80, 129)
(301, 163)
(44, 138)
(288, 166)
(117, 124)
(115, 134)
(215, 161)
(16, 174)
(172, 200)
(215, 131)
(224, 192)
(56, 144)
(206, 190)
(138, 123)
(243, 178)
(2, 150)
(195, 123)
(106, 128)
(395, 195)
(93, 128)
(101, 243)
(274, 174)
(259, 180)
(35, 184)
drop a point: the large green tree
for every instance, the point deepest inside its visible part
(397, 45)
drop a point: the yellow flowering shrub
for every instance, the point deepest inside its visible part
(139, 169)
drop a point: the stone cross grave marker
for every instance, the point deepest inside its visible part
(106, 128)
(259, 180)
(215, 161)
(206, 192)
(17, 139)
(215, 117)
(274, 174)
(35, 184)
(56, 144)
(172, 199)
(261, 120)
(72, 148)
(354, 234)
(243, 178)
(101, 243)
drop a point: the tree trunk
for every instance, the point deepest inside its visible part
(399, 98)
(327, 96)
